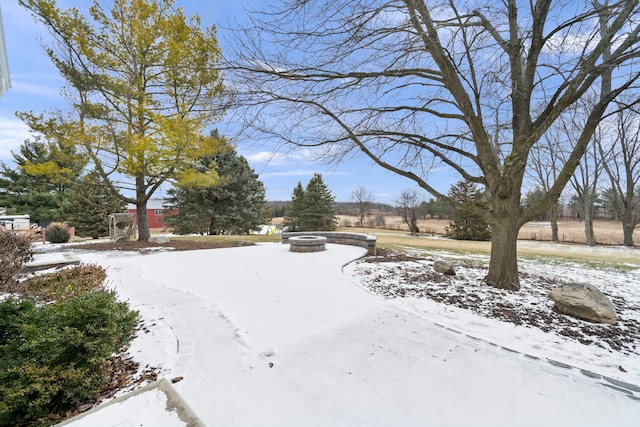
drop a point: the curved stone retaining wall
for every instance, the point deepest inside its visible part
(339, 237)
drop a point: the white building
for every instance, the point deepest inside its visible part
(15, 222)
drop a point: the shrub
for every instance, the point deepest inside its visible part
(15, 252)
(377, 221)
(52, 357)
(64, 284)
(466, 224)
(57, 233)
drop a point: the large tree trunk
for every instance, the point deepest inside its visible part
(141, 205)
(627, 231)
(553, 217)
(590, 237)
(143, 222)
(588, 210)
(503, 265)
(628, 226)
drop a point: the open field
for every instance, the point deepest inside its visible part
(571, 231)
(434, 229)
(608, 235)
(609, 255)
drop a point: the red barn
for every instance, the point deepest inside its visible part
(155, 212)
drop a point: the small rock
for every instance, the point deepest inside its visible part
(444, 267)
(159, 239)
(176, 379)
(585, 302)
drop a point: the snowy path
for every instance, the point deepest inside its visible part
(341, 356)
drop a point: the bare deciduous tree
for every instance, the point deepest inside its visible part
(622, 164)
(585, 182)
(410, 205)
(363, 199)
(544, 165)
(413, 85)
(586, 177)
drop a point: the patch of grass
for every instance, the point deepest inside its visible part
(610, 266)
(599, 257)
(248, 238)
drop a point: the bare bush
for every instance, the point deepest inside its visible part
(376, 221)
(15, 252)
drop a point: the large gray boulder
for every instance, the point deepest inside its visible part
(585, 302)
(444, 267)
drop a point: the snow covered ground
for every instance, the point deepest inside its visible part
(264, 336)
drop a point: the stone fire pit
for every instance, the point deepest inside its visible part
(307, 243)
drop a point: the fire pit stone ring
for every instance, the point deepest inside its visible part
(307, 243)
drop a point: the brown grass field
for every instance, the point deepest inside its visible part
(571, 233)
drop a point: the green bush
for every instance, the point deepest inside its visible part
(52, 356)
(15, 252)
(57, 233)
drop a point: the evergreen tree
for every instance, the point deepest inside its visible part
(267, 214)
(318, 206)
(88, 205)
(533, 198)
(294, 209)
(233, 205)
(311, 209)
(466, 224)
(45, 171)
(438, 209)
(279, 211)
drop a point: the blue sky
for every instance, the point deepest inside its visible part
(36, 87)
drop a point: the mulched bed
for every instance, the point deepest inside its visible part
(175, 245)
(401, 275)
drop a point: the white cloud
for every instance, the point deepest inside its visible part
(275, 158)
(302, 172)
(293, 173)
(267, 157)
(13, 132)
(35, 86)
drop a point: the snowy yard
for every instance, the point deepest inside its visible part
(264, 336)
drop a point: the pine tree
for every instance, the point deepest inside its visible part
(45, 171)
(318, 206)
(294, 209)
(467, 225)
(312, 208)
(88, 205)
(233, 205)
